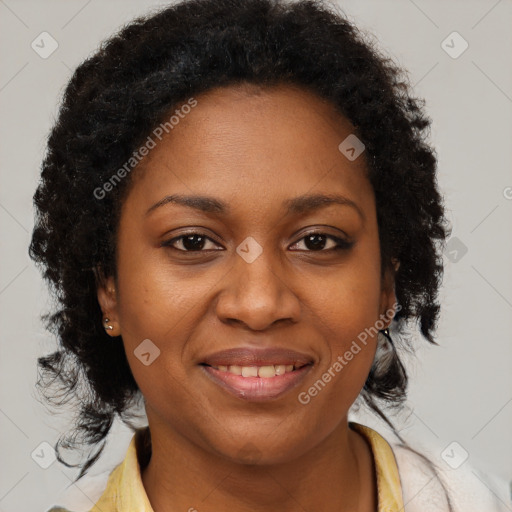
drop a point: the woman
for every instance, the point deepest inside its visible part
(239, 216)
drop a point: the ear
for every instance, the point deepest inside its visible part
(107, 296)
(388, 301)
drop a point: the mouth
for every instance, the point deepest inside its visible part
(257, 383)
(262, 372)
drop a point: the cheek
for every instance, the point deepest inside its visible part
(351, 340)
(349, 298)
(349, 314)
(159, 310)
(350, 344)
(348, 308)
(155, 300)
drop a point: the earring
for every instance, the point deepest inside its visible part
(385, 332)
(384, 355)
(107, 326)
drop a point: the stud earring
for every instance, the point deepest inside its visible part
(107, 326)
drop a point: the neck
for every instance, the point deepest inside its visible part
(336, 475)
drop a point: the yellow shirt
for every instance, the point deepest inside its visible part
(125, 492)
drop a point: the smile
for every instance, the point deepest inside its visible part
(265, 372)
(256, 383)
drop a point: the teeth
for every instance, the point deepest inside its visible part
(237, 370)
(268, 371)
(249, 371)
(280, 369)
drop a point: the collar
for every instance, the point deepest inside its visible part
(389, 489)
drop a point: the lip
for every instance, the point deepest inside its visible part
(242, 356)
(256, 389)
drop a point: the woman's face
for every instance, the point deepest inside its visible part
(254, 277)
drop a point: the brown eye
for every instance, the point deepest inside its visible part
(317, 242)
(190, 242)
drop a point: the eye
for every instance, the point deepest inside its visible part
(317, 242)
(313, 242)
(190, 242)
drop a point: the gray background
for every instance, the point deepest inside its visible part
(460, 391)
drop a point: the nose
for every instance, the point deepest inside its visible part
(258, 294)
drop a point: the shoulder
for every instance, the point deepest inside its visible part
(93, 492)
(81, 496)
(430, 484)
(431, 480)
(84, 494)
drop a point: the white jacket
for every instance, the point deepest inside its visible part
(469, 489)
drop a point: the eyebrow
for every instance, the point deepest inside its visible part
(297, 205)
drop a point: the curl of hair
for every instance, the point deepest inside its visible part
(129, 86)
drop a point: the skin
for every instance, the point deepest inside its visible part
(253, 149)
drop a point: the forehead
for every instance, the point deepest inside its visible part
(245, 142)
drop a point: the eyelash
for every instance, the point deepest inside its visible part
(341, 244)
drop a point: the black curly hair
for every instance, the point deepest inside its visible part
(129, 86)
